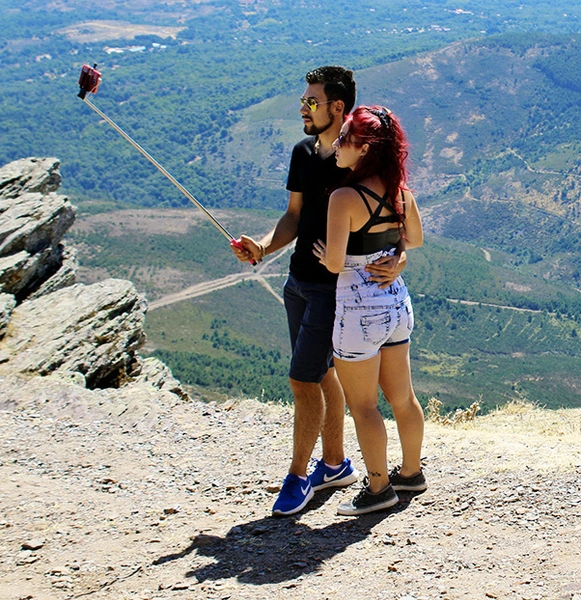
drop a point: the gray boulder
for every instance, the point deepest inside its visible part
(29, 175)
(63, 277)
(7, 304)
(84, 336)
(137, 405)
(33, 221)
(24, 275)
(95, 330)
(158, 375)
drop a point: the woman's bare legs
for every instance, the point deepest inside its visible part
(396, 384)
(391, 369)
(360, 384)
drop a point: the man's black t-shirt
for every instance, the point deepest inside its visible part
(315, 178)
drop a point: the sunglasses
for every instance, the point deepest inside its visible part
(312, 103)
(342, 140)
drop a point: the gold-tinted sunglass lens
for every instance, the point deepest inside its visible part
(310, 102)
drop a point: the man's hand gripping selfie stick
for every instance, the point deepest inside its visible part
(89, 83)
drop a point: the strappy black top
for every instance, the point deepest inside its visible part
(361, 241)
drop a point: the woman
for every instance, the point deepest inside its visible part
(372, 216)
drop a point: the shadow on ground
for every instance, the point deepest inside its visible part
(273, 550)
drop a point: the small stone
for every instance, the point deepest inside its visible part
(259, 530)
(30, 559)
(34, 544)
(180, 586)
(62, 585)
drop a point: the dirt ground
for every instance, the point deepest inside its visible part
(115, 497)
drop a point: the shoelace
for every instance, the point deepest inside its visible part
(364, 490)
(395, 471)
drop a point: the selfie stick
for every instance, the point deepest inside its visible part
(89, 82)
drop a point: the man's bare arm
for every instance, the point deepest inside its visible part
(284, 232)
(387, 269)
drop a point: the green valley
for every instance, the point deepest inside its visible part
(488, 92)
(487, 330)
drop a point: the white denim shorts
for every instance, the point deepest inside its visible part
(366, 316)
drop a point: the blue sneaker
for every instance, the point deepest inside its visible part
(323, 477)
(294, 495)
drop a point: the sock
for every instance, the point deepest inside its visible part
(333, 467)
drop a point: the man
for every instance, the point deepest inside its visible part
(309, 292)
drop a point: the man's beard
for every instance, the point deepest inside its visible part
(312, 129)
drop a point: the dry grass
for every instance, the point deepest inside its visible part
(459, 416)
(527, 416)
(517, 436)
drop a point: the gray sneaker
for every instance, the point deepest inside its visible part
(415, 483)
(366, 501)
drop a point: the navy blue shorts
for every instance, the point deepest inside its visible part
(310, 309)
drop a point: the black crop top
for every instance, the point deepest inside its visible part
(361, 241)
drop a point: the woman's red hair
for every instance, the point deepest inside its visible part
(376, 126)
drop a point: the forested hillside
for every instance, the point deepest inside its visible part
(181, 95)
(488, 92)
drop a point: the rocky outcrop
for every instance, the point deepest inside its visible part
(50, 325)
(94, 330)
(33, 221)
(155, 373)
(29, 175)
(65, 276)
(7, 304)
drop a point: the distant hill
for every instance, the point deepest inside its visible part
(494, 144)
(182, 92)
(489, 96)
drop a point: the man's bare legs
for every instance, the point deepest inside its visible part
(334, 421)
(319, 409)
(308, 422)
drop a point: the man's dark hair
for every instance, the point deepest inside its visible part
(338, 84)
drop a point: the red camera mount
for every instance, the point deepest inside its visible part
(89, 80)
